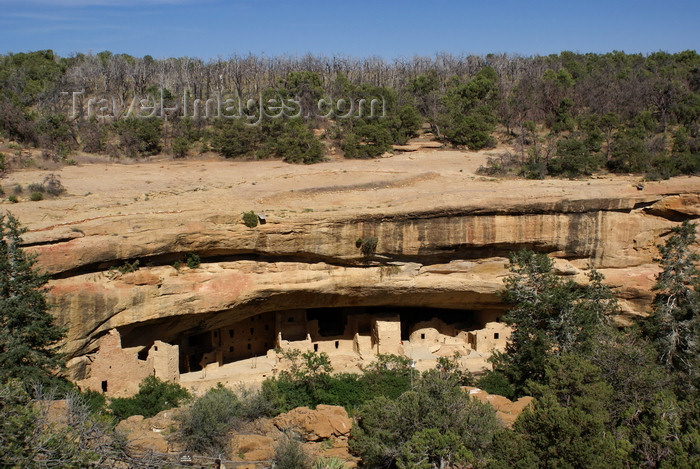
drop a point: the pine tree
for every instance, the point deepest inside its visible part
(29, 337)
(674, 323)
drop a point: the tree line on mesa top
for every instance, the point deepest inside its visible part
(565, 114)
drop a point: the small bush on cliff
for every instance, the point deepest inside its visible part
(192, 260)
(250, 219)
(154, 396)
(369, 246)
(128, 267)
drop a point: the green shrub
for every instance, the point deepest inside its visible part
(139, 137)
(284, 393)
(342, 389)
(233, 139)
(204, 426)
(54, 131)
(192, 260)
(450, 366)
(369, 246)
(628, 154)
(494, 382)
(128, 267)
(96, 402)
(572, 159)
(469, 117)
(35, 187)
(52, 185)
(93, 135)
(12, 199)
(389, 376)
(18, 189)
(181, 145)
(309, 383)
(434, 421)
(254, 405)
(290, 454)
(293, 141)
(250, 219)
(305, 384)
(36, 196)
(367, 140)
(154, 396)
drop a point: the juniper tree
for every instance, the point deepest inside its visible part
(674, 323)
(549, 316)
(29, 336)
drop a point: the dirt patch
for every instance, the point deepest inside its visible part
(405, 183)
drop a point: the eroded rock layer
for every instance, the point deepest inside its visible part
(446, 259)
(442, 240)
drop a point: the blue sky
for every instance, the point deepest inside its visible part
(360, 28)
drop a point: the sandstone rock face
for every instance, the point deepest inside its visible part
(443, 236)
(445, 259)
(253, 447)
(609, 232)
(324, 422)
(149, 434)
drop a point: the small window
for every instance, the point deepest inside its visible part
(143, 355)
(155, 348)
(337, 343)
(315, 347)
(290, 319)
(252, 319)
(422, 336)
(104, 386)
(266, 346)
(259, 316)
(248, 346)
(267, 327)
(230, 349)
(495, 335)
(252, 330)
(216, 333)
(230, 333)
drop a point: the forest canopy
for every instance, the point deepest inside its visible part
(566, 114)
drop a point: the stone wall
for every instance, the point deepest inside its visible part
(117, 372)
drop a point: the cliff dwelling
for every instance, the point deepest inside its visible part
(429, 288)
(248, 350)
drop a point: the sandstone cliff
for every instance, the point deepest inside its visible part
(442, 239)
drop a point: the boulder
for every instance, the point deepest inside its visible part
(507, 411)
(253, 447)
(325, 422)
(148, 434)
